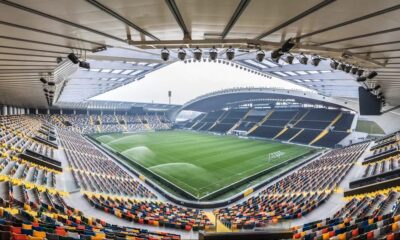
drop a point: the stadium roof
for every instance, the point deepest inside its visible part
(128, 35)
(241, 96)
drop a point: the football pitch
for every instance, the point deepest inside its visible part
(200, 163)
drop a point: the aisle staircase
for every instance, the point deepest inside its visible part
(239, 122)
(301, 118)
(100, 125)
(123, 127)
(326, 130)
(219, 226)
(265, 118)
(297, 134)
(198, 121)
(281, 132)
(219, 119)
(146, 125)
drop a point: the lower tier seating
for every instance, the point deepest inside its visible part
(296, 194)
(151, 212)
(363, 217)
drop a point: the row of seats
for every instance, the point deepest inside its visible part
(30, 206)
(296, 194)
(151, 212)
(87, 124)
(17, 134)
(95, 172)
(295, 125)
(386, 165)
(363, 217)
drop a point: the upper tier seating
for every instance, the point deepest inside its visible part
(108, 122)
(321, 127)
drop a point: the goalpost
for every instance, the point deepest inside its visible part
(274, 155)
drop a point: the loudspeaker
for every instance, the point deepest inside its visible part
(74, 59)
(369, 103)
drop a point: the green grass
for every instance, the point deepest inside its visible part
(370, 127)
(196, 162)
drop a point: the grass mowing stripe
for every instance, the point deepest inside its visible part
(200, 163)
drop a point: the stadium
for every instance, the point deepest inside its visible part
(211, 120)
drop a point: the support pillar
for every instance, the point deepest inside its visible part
(5, 110)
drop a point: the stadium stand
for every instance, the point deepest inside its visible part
(31, 206)
(296, 194)
(295, 136)
(319, 127)
(84, 160)
(109, 123)
(152, 212)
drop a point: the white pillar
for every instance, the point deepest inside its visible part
(28, 111)
(48, 111)
(5, 110)
(74, 111)
(61, 112)
(36, 111)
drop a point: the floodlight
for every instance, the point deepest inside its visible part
(197, 53)
(74, 59)
(260, 55)
(181, 54)
(230, 53)
(165, 54)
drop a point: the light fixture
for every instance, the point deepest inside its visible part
(303, 59)
(181, 54)
(59, 60)
(197, 53)
(347, 68)
(276, 55)
(342, 66)
(213, 53)
(315, 60)
(361, 79)
(334, 64)
(372, 74)
(230, 53)
(74, 59)
(354, 70)
(288, 45)
(360, 72)
(84, 64)
(44, 81)
(260, 55)
(377, 87)
(165, 54)
(289, 59)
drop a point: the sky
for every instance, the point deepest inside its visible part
(188, 81)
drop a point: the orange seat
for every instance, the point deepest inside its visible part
(27, 226)
(19, 237)
(39, 234)
(16, 230)
(35, 238)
